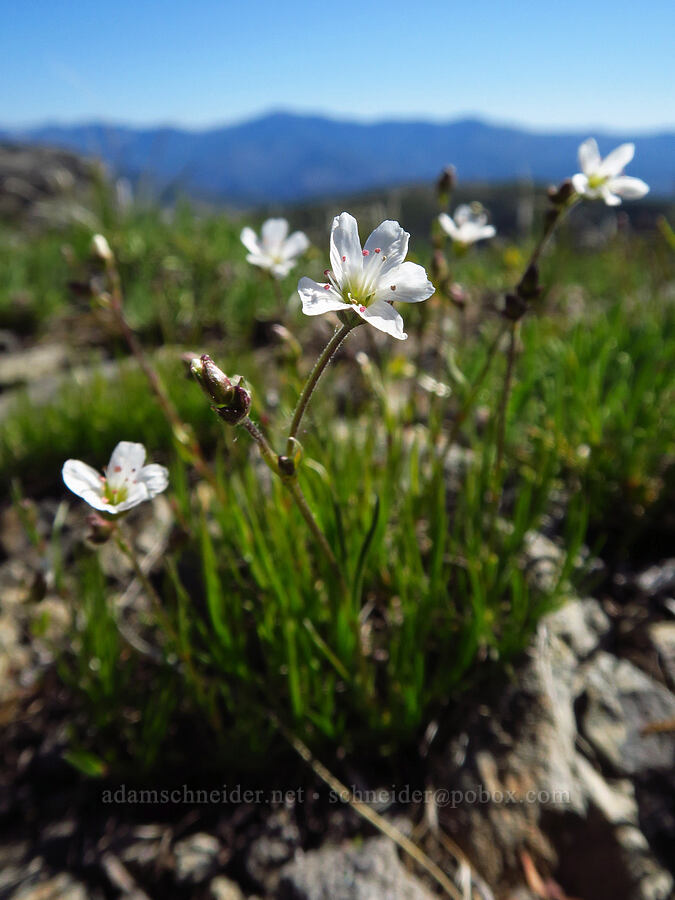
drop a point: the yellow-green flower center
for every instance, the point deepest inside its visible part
(596, 181)
(115, 495)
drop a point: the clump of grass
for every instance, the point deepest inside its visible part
(433, 540)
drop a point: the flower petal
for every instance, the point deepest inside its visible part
(317, 300)
(618, 159)
(448, 225)
(85, 481)
(463, 214)
(589, 156)
(281, 270)
(383, 316)
(137, 493)
(257, 259)
(296, 244)
(346, 257)
(392, 242)
(407, 282)
(628, 187)
(127, 459)
(580, 184)
(607, 195)
(155, 478)
(250, 240)
(274, 233)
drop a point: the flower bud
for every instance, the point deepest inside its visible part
(458, 294)
(561, 194)
(439, 266)
(234, 412)
(101, 248)
(215, 383)
(529, 287)
(446, 181)
(514, 307)
(232, 400)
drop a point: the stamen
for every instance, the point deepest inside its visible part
(366, 252)
(393, 287)
(326, 272)
(378, 250)
(118, 468)
(362, 309)
(344, 259)
(326, 287)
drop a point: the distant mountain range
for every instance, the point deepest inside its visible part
(281, 158)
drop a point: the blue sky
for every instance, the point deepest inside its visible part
(606, 64)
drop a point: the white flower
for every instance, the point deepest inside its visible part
(274, 251)
(127, 482)
(603, 178)
(468, 226)
(367, 280)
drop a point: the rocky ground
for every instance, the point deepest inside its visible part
(42, 186)
(558, 782)
(587, 724)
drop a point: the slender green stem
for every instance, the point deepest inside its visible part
(314, 376)
(293, 486)
(290, 481)
(276, 286)
(508, 379)
(496, 489)
(554, 217)
(266, 450)
(461, 416)
(154, 597)
(182, 432)
(165, 622)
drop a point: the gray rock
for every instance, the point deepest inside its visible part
(222, 888)
(61, 887)
(543, 561)
(620, 701)
(371, 871)
(580, 624)
(32, 365)
(576, 818)
(197, 858)
(658, 579)
(271, 849)
(42, 185)
(662, 638)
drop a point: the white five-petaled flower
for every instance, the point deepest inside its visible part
(468, 226)
(126, 483)
(274, 250)
(367, 280)
(603, 178)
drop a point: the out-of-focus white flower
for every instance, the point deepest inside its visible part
(101, 248)
(368, 280)
(126, 483)
(468, 226)
(274, 251)
(603, 178)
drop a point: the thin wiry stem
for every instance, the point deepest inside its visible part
(461, 416)
(182, 432)
(496, 489)
(367, 812)
(290, 481)
(314, 376)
